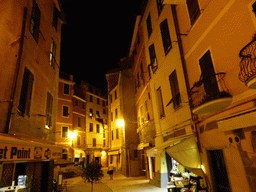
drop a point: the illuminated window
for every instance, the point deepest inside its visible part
(52, 54)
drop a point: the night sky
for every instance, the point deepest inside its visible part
(96, 37)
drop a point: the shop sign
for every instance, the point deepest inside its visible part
(9, 152)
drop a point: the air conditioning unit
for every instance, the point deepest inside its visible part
(174, 2)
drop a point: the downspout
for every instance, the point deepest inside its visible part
(176, 23)
(15, 79)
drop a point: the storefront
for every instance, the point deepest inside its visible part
(183, 164)
(32, 160)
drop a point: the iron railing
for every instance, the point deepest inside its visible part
(248, 62)
(198, 95)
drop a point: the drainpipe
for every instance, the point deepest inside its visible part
(15, 79)
(176, 23)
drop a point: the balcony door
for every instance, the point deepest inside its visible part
(208, 74)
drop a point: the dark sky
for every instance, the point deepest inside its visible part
(97, 35)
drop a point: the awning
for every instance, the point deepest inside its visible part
(156, 151)
(142, 145)
(18, 149)
(186, 152)
(113, 152)
(238, 120)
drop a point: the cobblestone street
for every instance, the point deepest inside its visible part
(120, 183)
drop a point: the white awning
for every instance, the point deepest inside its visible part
(186, 152)
(238, 120)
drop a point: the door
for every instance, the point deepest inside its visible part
(218, 171)
(208, 74)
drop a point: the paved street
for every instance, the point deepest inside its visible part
(120, 184)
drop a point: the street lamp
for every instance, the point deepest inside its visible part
(120, 123)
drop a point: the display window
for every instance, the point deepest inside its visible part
(183, 180)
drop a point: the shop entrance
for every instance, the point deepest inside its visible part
(218, 171)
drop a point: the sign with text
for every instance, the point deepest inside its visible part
(10, 152)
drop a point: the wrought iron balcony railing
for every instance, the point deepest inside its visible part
(199, 95)
(248, 62)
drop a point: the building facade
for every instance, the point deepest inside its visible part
(70, 129)
(97, 134)
(143, 101)
(168, 93)
(218, 40)
(30, 40)
(123, 136)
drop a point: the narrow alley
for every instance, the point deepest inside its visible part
(120, 183)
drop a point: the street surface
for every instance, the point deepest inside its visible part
(120, 183)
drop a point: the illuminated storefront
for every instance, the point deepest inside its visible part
(32, 159)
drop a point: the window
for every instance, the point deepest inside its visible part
(65, 111)
(208, 74)
(35, 21)
(98, 128)
(66, 89)
(141, 116)
(52, 54)
(175, 90)
(26, 93)
(149, 25)
(159, 6)
(64, 132)
(115, 94)
(56, 14)
(91, 112)
(160, 102)
(104, 143)
(79, 121)
(49, 102)
(117, 134)
(91, 127)
(91, 98)
(254, 8)
(76, 102)
(94, 144)
(146, 109)
(98, 101)
(116, 113)
(166, 36)
(153, 60)
(83, 105)
(104, 111)
(78, 140)
(103, 103)
(104, 133)
(194, 10)
(138, 79)
(97, 114)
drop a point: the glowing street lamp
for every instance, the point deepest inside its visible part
(120, 123)
(72, 135)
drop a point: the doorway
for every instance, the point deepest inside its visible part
(218, 171)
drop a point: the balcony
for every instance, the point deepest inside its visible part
(206, 98)
(247, 64)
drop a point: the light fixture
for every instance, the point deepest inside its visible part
(120, 123)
